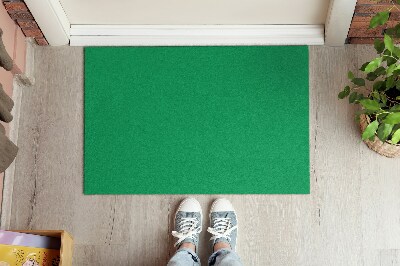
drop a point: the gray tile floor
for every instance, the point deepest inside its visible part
(351, 217)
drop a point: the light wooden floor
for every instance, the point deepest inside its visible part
(352, 216)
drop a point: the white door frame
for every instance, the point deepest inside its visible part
(52, 20)
(54, 23)
(338, 20)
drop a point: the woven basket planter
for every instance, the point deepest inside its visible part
(383, 148)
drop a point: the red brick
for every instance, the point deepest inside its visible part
(364, 18)
(395, 16)
(359, 24)
(365, 32)
(23, 15)
(32, 32)
(373, 2)
(27, 24)
(364, 40)
(373, 9)
(361, 40)
(41, 41)
(15, 6)
(19, 12)
(391, 24)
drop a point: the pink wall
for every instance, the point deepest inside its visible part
(14, 41)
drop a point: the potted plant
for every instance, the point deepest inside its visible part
(378, 92)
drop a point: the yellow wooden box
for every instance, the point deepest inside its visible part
(67, 243)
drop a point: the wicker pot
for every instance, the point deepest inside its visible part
(383, 148)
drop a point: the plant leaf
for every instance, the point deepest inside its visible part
(390, 60)
(370, 130)
(390, 31)
(376, 95)
(396, 135)
(382, 116)
(373, 65)
(370, 104)
(379, 46)
(383, 98)
(396, 72)
(350, 75)
(359, 81)
(353, 97)
(392, 118)
(395, 108)
(390, 69)
(362, 111)
(380, 71)
(396, 51)
(396, 30)
(384, 131)
(388, 43)
(389, 82)
(362, 68)
(379, 19)
(343, 94)
(371, 76)
(378, 85)
(366, 111)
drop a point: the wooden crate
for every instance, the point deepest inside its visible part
(67, 243)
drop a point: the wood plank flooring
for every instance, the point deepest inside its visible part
(351, 217)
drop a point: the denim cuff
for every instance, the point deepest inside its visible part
(191, 252)
(220, 252)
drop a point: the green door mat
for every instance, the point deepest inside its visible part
(196, 120)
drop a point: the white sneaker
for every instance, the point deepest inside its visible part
(188, 220)
(223, 223)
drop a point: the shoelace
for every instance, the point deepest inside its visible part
(188, 228)
(222, 228)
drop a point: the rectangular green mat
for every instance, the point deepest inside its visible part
(196, 120)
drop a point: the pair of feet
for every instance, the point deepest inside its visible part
(188, 225)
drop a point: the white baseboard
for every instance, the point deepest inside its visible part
(195, 35)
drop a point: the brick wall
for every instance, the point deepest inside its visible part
(20, 13)
(364, 11)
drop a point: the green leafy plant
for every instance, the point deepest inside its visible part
(378, 91)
